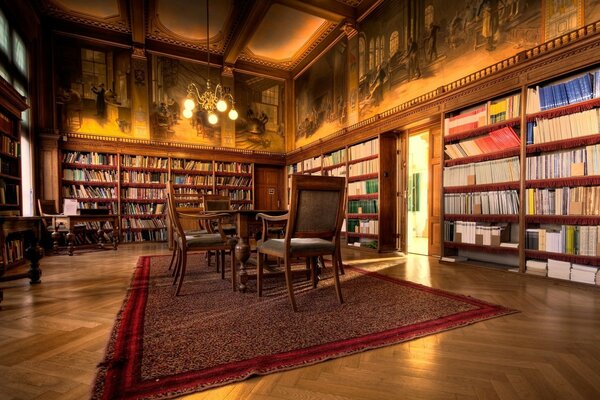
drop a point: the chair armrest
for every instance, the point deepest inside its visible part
(266, 218)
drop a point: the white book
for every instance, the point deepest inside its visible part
(586, 268)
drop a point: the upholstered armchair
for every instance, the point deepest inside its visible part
(313, 226)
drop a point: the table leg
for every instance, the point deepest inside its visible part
(100, 234)
(70, 242)
(55, 240)
(34, 253)
(115, 238)
(242, 253)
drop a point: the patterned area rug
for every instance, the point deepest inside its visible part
(164, 346)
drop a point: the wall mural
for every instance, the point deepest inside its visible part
(321, 96)
(93, 89)
(405, 54)
(592, 11)
(94, 95)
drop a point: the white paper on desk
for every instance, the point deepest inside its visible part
(70, 207)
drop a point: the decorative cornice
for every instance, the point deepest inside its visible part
(119, 25)
(351, 3)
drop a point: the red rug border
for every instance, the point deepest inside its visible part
(118, 376)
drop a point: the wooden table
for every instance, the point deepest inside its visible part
(30, 227)
(247, 226)
(70, 221)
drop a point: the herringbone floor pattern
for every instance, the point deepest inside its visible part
(52, 336)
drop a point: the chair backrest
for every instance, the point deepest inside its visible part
(47, 207)
(216, 202)
(316, 206)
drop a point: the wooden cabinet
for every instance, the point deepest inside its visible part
(562, 178)
(481, 181)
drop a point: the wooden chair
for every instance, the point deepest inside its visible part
(313, 228)
(201, 242)
(47, 209)
(216, 202)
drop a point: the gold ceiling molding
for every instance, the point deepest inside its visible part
(117, 23)
(288, 65)
(351, 3)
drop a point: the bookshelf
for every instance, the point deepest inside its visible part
(10, 163)
(481, 181)
(236, 180)
(191, 180)
(143, 181)
(562, 179)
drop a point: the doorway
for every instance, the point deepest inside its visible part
(417, 195)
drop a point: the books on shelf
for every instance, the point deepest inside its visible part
(574, 90)
(579, 161)
(471, 232)
(362, 150)
(497, 140)
(491, 112)
(535, 267)
(566, 239)
(579, 200)
(486, 172)
(493, 202)
(574, 125)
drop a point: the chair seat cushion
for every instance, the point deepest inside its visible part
(298, 246)
(206, 240)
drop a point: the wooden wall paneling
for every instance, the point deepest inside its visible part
(388, 215)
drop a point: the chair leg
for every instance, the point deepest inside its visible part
(233, 269)
(288, 281)
(177, 268)
(183, 266)
(260, 260)
(336, 277)
(340, 263)
(313, 271)
(173, 257)
(222, 252)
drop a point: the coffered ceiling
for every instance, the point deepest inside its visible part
(274, 37)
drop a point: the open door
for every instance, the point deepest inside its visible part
(417, 193)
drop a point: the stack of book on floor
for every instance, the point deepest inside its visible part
(584, 273)
(559, 269)
(535, 267)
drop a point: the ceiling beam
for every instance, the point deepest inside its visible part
(330, 10)
(248, 21)
(137, 15)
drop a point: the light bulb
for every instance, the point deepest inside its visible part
(233, 114)
(189, 104)
(212, 118)
(187, 113)
(221, 105)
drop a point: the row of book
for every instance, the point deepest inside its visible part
(143, 193)
(142, 208)
(241, 206)
(89, 175)
(10, 193)
(91, 192)
(192, 165)
(155, 235)
(364, 168)
(233, 167)
(13, 249)
(567, 239)
(362, 207)
(494, 202)
(486, 172)
(192, 191)
(144, 161)
(365, 149)
(147, 223)
(8, 167)
(144, 177)
(363, 187)
(236, 194)
(544, 130)
(475, 233)
(335, 158)
(294, 168)
(10, 146)
(497, 140)
(580, 200)
(491, 112)
(580, 161)
(311, 163)
(564, 270)
(577, 89)
(204, 180)
(234, 181)
(93, 158)
(337, 171)
(363, 226)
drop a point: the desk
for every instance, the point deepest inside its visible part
(247, 225)
(69, 221)
(30, 227)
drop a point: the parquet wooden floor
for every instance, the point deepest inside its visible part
(53, 334)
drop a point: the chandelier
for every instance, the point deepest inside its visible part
(210, 99)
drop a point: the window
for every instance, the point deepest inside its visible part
(361, 57)
(371, 55)
(271, 96)
(394, 41)
(19, 54)
(93, 70)
(4, 35)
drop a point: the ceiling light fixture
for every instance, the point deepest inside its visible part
(211, 99)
